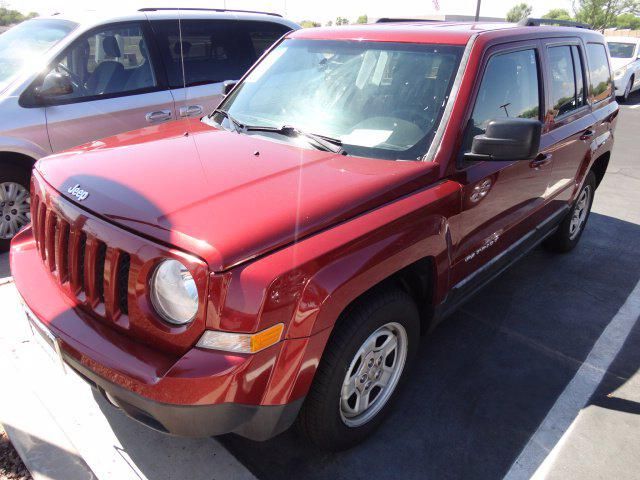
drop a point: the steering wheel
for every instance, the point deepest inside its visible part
(76, 81)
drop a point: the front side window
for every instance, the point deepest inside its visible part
(566, 85)
(509, 89)
(25, 44)
(213, 50)
(379, 99)
(600, 85)
(110, 61)
(621, 50)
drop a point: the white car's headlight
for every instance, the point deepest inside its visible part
(174, 293)
(619, 73)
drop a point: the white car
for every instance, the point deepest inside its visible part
(625, 61)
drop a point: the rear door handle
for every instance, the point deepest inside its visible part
(158, 116)
(588, 134)
(191, 111)
(541, 160)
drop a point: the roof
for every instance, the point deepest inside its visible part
(451, 33)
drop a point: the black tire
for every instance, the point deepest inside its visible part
(564, 239)
(13, 173)
(627, 91)
(321, 419)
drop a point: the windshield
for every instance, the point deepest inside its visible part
(380, 100)
(22, 46)
(621, 50)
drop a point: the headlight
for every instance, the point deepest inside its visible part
(619, 73)
(174, 293)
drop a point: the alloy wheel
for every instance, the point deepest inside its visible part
(373, 374)
(15, 205)
(580, 212)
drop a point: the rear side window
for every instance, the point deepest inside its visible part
(599, 74)
(566, 81)
(213, 50)
(509, 88)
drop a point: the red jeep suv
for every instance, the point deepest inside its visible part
(278, 260)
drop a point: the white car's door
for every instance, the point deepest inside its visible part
(116, 87)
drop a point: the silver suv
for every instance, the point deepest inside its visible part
(70, 79)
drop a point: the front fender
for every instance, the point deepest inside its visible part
(23, 147)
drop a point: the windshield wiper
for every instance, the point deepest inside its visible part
(321, 142)
(238, 126)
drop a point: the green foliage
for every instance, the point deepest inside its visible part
(11, 17)
(518, 12)
(363, 19)
(309, 24)
(601, 14)
(342, 21)
(628, 20)
(558, 14)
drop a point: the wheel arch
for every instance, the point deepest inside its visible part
(599, 167)
(17, 159)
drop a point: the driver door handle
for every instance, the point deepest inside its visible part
(191, 111)
(158, 116)
(540, 161)
(588, 134)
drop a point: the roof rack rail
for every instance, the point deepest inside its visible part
(537, 22)
(397, 20)
(157, 9)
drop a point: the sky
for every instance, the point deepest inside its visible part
(297, 10)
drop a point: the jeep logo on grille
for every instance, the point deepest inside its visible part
(77, 192)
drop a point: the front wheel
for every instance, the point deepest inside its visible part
(15, 203)
(571, 228)
(362, 367)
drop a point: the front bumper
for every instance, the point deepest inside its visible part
(201, 393)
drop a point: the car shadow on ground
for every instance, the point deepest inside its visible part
(4, 266)
(483, 382)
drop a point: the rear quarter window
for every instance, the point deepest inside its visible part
(600, 86)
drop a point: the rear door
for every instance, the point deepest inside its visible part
(201, 54)
(117, 86)
(501, 200)
(568, 118)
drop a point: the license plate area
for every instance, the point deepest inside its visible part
(44, 337)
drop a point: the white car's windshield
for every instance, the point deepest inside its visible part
(378, 99)
(621, 50)
(23, 46)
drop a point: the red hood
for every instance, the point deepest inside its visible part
(212, 194)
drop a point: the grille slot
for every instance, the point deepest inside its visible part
(100, 261)
(82, 248)
(122, 283)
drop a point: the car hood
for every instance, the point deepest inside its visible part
(223, 196)
(617, 63)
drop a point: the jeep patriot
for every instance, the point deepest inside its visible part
(277, 261)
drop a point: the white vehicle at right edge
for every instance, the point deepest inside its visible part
(625, 61)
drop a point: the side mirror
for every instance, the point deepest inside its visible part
(55, 84)
(507, 139)
(227, 86)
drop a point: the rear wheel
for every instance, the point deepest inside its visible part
(15, 203)
(571, 228)
(362, 367)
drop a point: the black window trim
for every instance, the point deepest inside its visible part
(29, 100)
(568, 42)
(489, 53)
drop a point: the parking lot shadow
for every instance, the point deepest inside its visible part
(488, 376)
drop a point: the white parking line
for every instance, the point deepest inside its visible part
(542, 449)
(634, 107)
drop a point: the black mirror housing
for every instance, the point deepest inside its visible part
(55, 84)
(507, 139)
(227, 86)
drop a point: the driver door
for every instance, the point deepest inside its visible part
(117, 87)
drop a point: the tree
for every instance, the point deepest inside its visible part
(518, 12)
(309, 24)
(601, 14)
(628, 21)
(329, 23)
(557, 14)
(11, 17)
(362, 19)
(342, 21)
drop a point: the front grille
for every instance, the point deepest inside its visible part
(80, 262)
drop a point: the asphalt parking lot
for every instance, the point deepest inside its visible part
(537, 374)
